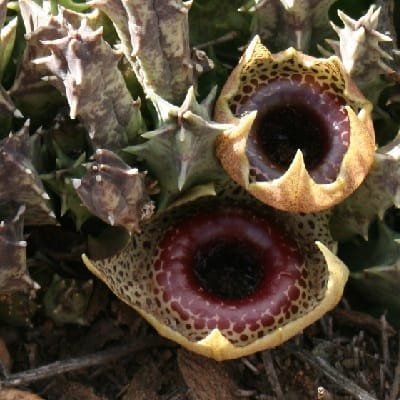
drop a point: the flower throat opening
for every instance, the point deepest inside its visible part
(228, 269)
(284, 129)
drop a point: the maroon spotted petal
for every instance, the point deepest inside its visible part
(212, 264)
(227, 276)
(303, 139)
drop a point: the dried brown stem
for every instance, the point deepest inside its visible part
(271, 375)
(250, 366)
(222, 39)
(361, 320)
(395, 389)
(74, 364)
(180, 393)
(330, 372)
(385, 341)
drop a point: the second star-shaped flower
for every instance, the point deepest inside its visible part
(303, 137)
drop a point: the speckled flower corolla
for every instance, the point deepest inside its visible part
(303, 138)
(227, 276)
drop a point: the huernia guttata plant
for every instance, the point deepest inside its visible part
(224, 181)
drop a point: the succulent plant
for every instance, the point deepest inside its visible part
(66, 300)
(20, 180)
(13, 272)
(366, 62)
(381, 187)
(213, 221)
(381, 285)
(114, 192)
(7, 38)
(162, 65)
(375, 272)
(359, 48)
(181, 153)
(84, 67)
(291, 23)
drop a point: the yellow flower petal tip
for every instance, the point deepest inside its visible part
(303, 138)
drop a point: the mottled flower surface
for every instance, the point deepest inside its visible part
(227, 276)
(303, 139)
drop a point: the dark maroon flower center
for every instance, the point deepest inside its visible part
(285, 129)
(292, 116)
(230, 269)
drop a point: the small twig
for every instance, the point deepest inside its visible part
(395, 389)
(330, 372)
(244, 393)
(361, 320)
(362, 378)
(180, 393)
(222, 39)
(326, 323)
(74, 364)
(271, 374)
(250, 366)
(382, 380)
(356, 356)
(385, 342)
(396, 384)
(384, 369)
(3, 370)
